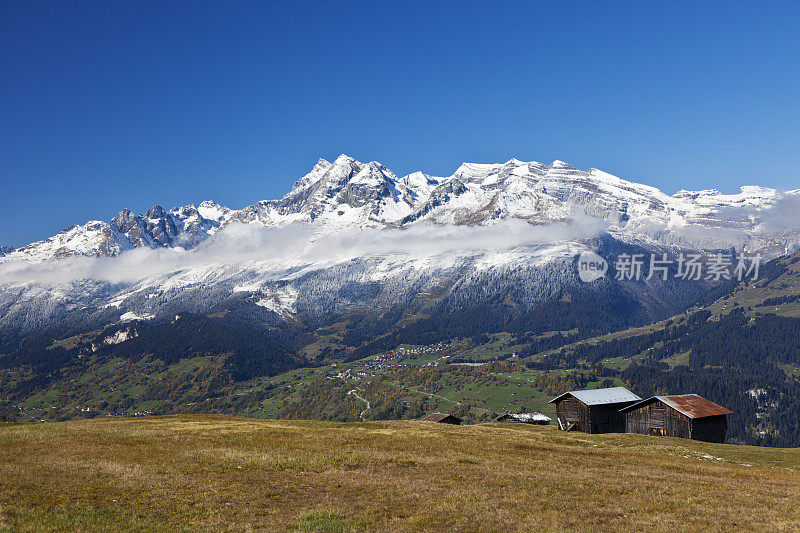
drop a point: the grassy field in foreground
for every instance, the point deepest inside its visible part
(215, 472)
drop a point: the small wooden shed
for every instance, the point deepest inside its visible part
(442, 418)
(593, 410)
(688, 416)
(524, 418)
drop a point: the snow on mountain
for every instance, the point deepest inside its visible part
(213, 211)
(95, 238)
(182, 227)
(346, 194)
(352, 240)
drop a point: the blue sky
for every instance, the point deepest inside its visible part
(106, 105)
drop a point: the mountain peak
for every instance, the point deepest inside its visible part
(344, 159)
(349, 194)
(321, 166)
(156, 212)
(213, 211)
(561, 164)
(757, 190)
(123, 220)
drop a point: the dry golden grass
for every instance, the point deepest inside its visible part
(214, 472)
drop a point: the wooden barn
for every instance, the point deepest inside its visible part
(524, 418)
(442, 418)
(685, 415)
(593, 410)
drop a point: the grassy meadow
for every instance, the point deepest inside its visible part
(224, 473)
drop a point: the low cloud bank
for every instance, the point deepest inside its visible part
(784, 216)
(245, 243)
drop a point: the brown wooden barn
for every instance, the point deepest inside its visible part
(593, 410)
(685, 415)
(442, 418)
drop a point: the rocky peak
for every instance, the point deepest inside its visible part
(370, 184)
(321, 166)
(346, 193)
(185, 213)
(213, 211)
(345, 181)
(418, 186)
(558, 164)
(440, 196)
(156, 212)
(124, 220)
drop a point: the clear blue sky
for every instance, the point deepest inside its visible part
(109, 104)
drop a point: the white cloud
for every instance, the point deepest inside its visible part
(784, 216)
(244, 243)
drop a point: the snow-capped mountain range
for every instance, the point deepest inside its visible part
(346, 194)
(353, 242)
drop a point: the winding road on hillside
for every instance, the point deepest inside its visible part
(354, 392)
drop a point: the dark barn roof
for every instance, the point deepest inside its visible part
(441, 417)
(691, 405)
(609, 395)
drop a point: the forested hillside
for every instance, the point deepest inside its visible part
(739, 349)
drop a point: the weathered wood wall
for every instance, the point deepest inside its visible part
(571, 411)
(710, 429)
(658, 418)
(590, 419)
(607, 418)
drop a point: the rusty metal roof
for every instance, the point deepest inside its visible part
(601, 396)
(438, 417)
(691, 405)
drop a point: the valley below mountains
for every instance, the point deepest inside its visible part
(212, 309)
